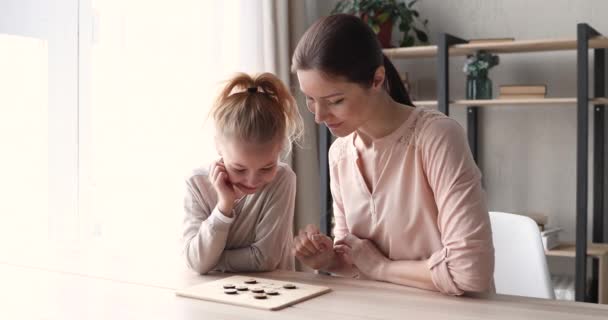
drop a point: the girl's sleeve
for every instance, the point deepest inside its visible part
(273, 232)
(205, 230)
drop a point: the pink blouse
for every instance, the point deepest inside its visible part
(427, 201)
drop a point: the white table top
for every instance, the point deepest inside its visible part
(36, 293)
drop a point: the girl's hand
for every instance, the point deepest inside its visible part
(227, 193)
(364, 254)
(313, 248)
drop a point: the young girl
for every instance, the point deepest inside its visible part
(239, 210)
(408, 203)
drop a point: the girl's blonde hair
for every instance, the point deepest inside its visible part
(257, 109)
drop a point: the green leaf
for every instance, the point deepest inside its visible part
(400, 12)
(421, 35)
(343, 6)
(368, 6)
(407, 19)
(406, 14)
(407, 41)
(382, 18)
(395, 13)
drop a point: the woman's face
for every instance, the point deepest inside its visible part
(341, 105)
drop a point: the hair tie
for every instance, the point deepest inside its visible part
(252, 89)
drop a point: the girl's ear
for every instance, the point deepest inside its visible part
(379, 78)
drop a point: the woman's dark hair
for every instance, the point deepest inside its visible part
(344, 46)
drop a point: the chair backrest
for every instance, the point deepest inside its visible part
(520, 262)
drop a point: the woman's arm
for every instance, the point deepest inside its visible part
(466, 261)
(372, 264)
(414, 273)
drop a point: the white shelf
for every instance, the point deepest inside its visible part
(498, 102)
(494, 47)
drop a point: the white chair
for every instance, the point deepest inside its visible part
(520, 262)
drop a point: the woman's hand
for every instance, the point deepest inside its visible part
(364, 254)
(313, 248)
(227, 193)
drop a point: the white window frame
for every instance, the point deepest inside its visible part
(31, 18)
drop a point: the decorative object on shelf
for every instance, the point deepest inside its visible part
(550, 238)
(383, 15)
(479, 86)
(522, 92)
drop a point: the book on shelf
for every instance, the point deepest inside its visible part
(550, 238)
(521, 96)
(523, 90)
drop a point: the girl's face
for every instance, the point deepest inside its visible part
(250, 166)
(342, 106)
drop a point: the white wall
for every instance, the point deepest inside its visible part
(527, 153)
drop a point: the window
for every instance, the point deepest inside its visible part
(38, 127)
(154, 69)
(24, 126)
(103, 113)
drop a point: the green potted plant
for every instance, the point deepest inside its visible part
(383, 15)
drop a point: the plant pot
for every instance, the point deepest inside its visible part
(386, 32)
(479, 87)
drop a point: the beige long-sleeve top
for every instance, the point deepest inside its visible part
(257, 238)
(427, 201)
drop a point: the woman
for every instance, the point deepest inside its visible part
(408, 203)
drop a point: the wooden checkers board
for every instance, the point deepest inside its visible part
(253, 292)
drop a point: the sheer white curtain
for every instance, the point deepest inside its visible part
(153, 71)
(98, 135)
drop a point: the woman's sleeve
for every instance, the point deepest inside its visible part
(466, 261)
(340, 226)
